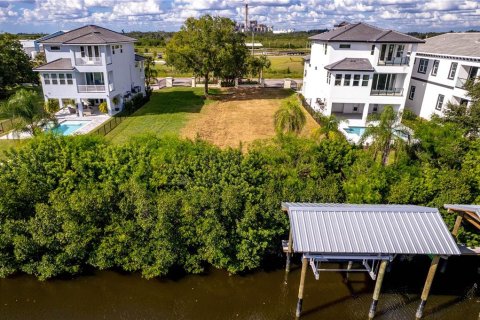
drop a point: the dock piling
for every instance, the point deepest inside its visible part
(428, 285)
(301, 287)
(378, 287)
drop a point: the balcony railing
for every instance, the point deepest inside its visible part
(395, 62)
(88, 61)
(91, 88)
(387, 92)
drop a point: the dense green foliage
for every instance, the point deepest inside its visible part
(154, 204)
(15, 66)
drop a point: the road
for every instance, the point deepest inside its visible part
(186, 82)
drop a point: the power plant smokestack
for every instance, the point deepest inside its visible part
(246, 17)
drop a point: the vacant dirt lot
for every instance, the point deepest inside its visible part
(242, 116)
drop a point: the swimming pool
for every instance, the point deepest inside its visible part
(355, 130)
(69, 127)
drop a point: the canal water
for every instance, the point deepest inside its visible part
(257, 296)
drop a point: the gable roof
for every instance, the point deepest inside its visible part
(457, 44)
(88, 35)
(351, 64)
(320, 228)
(362, 32)
(59, 64)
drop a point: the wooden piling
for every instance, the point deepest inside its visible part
(289, 252)
(301, 287)
(378, 287)
(428, 285)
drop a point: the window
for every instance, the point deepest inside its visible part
(121, 49)
(338, 79)
(54, 48)
(422, 66)
(435, 67)
(54, 78)
(355, 109)
(453, 70)
(365, 79)
(82, 51)
(69, 78)
(325, 48)
(113, 49)
(346, 82)
(440, 99)
(305, 73)
(328, 77)
(373, 50)
(61, 78)
(400, 50)
(411, 95)
(315, 67)
(356, 80)
(344, 46)
(46, 78)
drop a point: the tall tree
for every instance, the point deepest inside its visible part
(26, 109)
(150, 72)
(386, 135)
(256, 65)
(206, 46)
(290, 117)
(15, 66)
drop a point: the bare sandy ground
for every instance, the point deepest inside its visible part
(240, 117)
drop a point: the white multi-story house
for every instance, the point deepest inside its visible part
(358, 69)
(91, 65)
(442, 67)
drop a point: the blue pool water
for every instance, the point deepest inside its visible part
(355, 130)
(68, 127)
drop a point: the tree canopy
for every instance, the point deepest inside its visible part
(15, 66)
(208, 46)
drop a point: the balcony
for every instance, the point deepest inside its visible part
(404, 61)
(91, 88)
(387, 92)
(88, 61)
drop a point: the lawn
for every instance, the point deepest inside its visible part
(166, 113)
(284, 67)
(227, 119)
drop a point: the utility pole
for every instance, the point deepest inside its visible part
(246, 16)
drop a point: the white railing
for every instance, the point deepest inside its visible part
(91, 88)
(89, 61)
(387, 92)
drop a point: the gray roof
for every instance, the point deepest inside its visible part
(320, 228)
(49, 36)
(457, 44)
(362, 32)
(351, 64)
(464, 207)
(59, 64)
(89, 35)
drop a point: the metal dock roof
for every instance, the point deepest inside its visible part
(465, 207)
(368, 229)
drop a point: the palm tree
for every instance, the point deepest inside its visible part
(290, 117)
(328, 126)
(150, 72)
(27, 112)
(387, 134)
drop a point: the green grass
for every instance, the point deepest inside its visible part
(284, 67)
(166, 113)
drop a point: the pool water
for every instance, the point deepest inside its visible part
(355, 130)
(68, 127)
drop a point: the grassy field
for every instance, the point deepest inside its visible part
(284, 67)
(166, 113)
(226, 120)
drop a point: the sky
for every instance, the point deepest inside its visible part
(47, 16)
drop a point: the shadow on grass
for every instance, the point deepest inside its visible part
(173, 101)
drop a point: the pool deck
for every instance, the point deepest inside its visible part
(94, 121)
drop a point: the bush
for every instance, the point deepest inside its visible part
(52, 106)
(103, 107)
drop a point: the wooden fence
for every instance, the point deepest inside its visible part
(6, 125)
